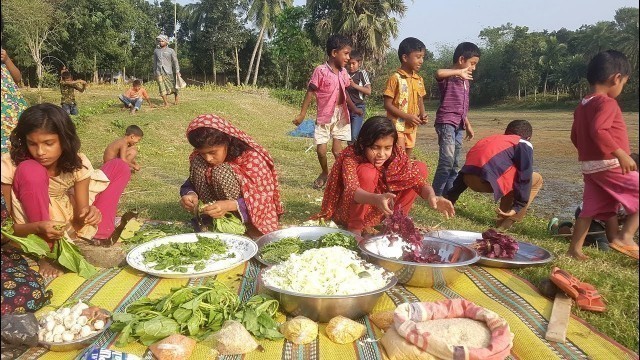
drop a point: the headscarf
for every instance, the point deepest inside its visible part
(255, 171)
(401, 173)
(163, 37)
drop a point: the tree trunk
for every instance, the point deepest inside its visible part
(255, 73)
(519, 91)
(255, 50)
(286, 77)
(535, 94)
(525, 93)
(237, 67)
(95, 69)
(213, 61)
(124, 75)
(546, 77)
(557, 93)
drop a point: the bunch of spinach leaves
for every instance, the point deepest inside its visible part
(148, 233)
(64, 251)
(228, 224)
(176, 256)
(194, 311)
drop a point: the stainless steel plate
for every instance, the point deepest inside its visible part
(528, 254)
(305, 233)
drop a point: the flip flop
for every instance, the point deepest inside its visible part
(568, 283)
(625, 249)
(552, 226)
(590, 300)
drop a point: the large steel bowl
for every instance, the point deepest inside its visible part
(322, 308)
(456, 256)
(305, 233)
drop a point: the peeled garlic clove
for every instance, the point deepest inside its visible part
(58, 329)
(98, 324)
(65, 311)
(67, 336)
(82, 320)
(41, 334)
(75, 329)
(50, 325)
(48, 337)
(69, 321)
(57, 338)
(85, 331)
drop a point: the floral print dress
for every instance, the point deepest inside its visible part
(23, 289)
(12, 106)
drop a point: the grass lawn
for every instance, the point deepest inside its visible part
(153, 192)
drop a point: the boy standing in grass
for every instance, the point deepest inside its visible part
(133, 97)
(360, 87)
(329, 83)
(451, 118)
(68, 86)
(404, 93)
(125, 147)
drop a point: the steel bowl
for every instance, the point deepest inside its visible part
(305, 233)
(457, 258)
(322, 308)
(78, 344)
(528, 254)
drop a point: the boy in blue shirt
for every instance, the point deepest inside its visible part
(451, 118)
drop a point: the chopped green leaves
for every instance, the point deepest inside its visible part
(280, 250)
(176, 256)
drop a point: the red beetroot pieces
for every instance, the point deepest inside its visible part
(496, 245)
(400, 226)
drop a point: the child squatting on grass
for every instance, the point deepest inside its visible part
(329, 83)
(374, 176)
(502, 165)
(404, 93)
(45, 178)
(610, 174)
(451, 118)
(125, 147)
(230, 172)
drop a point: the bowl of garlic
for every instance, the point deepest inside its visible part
(72, 327)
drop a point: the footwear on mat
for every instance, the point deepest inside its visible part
(568, 283)
(590, 300)
(626, 249)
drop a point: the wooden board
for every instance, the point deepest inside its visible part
(557, 329)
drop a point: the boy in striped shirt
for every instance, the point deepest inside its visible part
(451, 118)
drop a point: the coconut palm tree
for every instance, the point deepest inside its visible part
(370, 24)
(263, 13)
(627, 20)
(552, 53)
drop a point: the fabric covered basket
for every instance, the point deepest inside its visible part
(404, 340)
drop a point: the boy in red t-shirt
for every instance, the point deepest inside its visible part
(133, 97)
(610, 174)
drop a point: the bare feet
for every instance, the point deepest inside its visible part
(132, 111)
(320, 182)
(578, 255)
(166, 104)
(49, 269)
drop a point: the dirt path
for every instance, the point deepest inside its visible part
(554, 155)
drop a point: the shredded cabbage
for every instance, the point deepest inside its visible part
(326, 271)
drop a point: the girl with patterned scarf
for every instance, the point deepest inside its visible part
(232, 173)
(374, 176)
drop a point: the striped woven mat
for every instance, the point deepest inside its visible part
(526, 311)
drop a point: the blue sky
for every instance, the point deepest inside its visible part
(440, 23)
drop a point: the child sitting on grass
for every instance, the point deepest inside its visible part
(132, 98)
(610, 174)
(125, 147)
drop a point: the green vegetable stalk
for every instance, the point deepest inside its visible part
(64, 252)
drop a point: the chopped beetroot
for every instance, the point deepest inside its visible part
(400, 226)
(496, 245)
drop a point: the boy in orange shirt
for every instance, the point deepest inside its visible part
(133, 97)
(404, 93)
